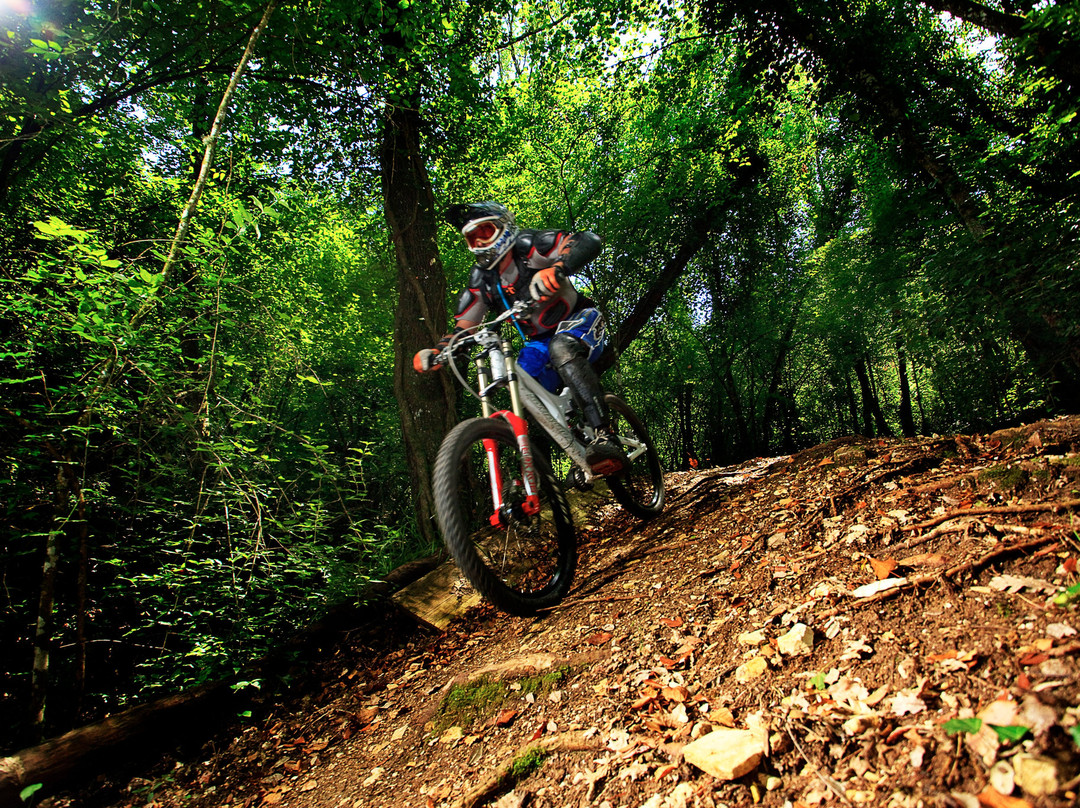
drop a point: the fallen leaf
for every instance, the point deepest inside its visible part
(1017, 583)
(883, 569)
(1033, 659)
(1010, 734)
(440, 792)
(907, 704)
(452, 735)
(671, 622)
(676, 694)
(599, 638)
(647, 697)
(504, 718)
(995, 799)
(664, 771)
(722, 716)
(634, 771)
(955, 726)
(878, 586)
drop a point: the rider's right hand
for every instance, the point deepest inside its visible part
(425, 361)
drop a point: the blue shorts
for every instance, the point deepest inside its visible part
(587, 325)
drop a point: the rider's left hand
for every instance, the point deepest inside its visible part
(545, 282)
(425, 360)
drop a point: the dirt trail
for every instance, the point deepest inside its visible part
(878, 616)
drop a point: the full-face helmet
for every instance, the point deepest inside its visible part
(488, 228)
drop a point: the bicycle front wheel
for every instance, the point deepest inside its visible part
(639, 489)
(519, 562)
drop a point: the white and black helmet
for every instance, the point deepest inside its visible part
(488, 228)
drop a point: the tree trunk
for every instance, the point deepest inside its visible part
(779, 362)
(684, 410)
(907, 419)
(852, 404)
(791, 423)
(39, 676)
(81, 589)
(867, 395)
(871, 401)
(426, 400)
(697, 234)
(87, 748)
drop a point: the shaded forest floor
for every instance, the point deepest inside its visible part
(924, 572)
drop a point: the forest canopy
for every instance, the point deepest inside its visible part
(221, 243)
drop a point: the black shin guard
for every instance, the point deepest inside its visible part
(569, 358)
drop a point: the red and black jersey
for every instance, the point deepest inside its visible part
(533, 250)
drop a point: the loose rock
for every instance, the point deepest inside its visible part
(727, 753)
(799, 641)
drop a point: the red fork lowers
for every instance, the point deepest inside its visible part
(531, 505)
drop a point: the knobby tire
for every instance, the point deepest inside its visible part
(525, 566)
(639, 489)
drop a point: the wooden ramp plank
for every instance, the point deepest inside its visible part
(439, 596)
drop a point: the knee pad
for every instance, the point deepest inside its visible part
(564, 349)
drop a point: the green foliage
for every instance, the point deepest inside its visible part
(954, 726)
(858, 215)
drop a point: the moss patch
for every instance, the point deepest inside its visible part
(1004, 478)
(527, 762)
(473, 701)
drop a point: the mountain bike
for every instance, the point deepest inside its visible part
(503, 513)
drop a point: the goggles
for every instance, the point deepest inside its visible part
(481, 234)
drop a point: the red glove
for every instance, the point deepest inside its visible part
(425, 361)
(425, 358)
(546, 282)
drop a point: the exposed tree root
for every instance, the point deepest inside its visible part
(504, 777)
(1053, 507)
(923, 580)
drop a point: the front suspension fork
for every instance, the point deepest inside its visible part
(503, 513)
(505, 373)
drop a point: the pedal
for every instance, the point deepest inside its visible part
(605, 468)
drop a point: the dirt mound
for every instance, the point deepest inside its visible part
(888, 622)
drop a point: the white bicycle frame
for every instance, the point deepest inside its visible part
(548, 409)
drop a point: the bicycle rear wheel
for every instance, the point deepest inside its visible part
(525, 563)
(639, 489)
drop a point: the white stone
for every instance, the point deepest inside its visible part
(799, 641)
(727, 753)
(751, 670)
(1002, 778)
(752, 638)
(1036, 775)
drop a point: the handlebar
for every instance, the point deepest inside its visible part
(485, 334)
(471, 336)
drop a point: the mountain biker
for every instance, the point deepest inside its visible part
(565, 331)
